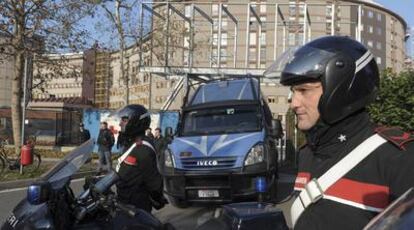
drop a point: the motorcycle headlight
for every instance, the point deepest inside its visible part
(256, 155)
(168, 158)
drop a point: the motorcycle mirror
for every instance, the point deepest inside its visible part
(169, 132)
(106, 182)
(38, 192)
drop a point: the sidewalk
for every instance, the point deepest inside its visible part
(26, 182)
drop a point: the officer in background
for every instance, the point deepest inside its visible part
(84, 134)
(140, 182)
(332, 80)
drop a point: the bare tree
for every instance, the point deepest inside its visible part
(120, 14)
(33, 27)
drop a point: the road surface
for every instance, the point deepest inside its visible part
(184, 219)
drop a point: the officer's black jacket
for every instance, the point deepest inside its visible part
(377, 180)
(140, 178)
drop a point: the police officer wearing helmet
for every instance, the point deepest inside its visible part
(140, 182)
(350, 169)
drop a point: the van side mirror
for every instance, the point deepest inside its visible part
(169, 132)
(277, 130)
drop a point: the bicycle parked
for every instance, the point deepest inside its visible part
(14, 164)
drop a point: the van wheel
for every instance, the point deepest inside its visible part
(177, 202)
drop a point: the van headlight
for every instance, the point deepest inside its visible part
(256, 155)
(168, 158)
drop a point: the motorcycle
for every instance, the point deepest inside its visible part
(51, 204)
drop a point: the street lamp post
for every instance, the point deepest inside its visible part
(24, 105)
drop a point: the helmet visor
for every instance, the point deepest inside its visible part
(299, 64)
(126, 112)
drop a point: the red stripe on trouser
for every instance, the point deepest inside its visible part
(301, 179)
(364, 193)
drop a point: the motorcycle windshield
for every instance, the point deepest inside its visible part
(69, 165)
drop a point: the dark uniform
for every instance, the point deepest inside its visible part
(84, 135)
(373, 184)
(140, 179)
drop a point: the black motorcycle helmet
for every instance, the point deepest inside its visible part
(347, 70)
(138, 120)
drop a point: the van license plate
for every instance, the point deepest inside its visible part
(208, 193)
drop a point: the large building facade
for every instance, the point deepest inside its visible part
(245, 37)
(60, 76)
(228, 38)
(6, 75)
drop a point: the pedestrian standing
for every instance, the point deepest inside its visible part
(159, 141)
(148, 133)
(105, 143)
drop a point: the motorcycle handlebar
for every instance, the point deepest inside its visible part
(106, 182)
(130, 211)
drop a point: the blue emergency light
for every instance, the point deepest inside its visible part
(261, 185)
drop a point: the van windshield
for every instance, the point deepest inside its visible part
(230, 119)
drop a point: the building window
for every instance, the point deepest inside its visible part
(214, 9)
(379, 45)
(263, 39)
(188, 10)
(328, 10)
(224, 39)
(223, 55)
(223, 23)
(215, 39)
(271, 99)
(371, 29)
(282, 100)
(379, 17)
(262, 54)
(263, 8)
(253, 40)
(379, 30)
(292, 9)
(292, 39)
(370, 14)
(370, 44)
(378, 60)
(302, 9)
(186, 41)
(252, 54)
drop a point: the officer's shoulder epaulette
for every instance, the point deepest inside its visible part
(396, 136)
